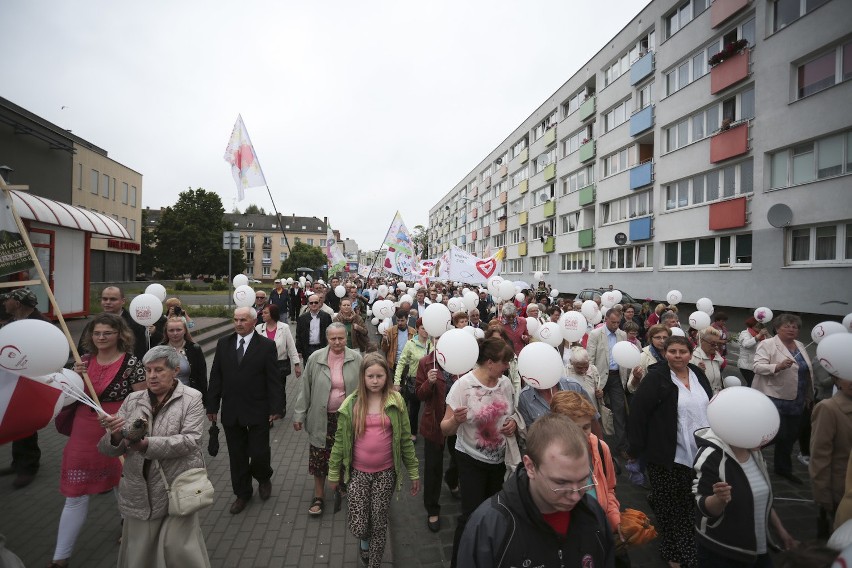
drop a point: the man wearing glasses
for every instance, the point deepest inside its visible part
(310, 328)
(542, 516)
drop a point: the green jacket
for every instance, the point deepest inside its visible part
(410, 357)
(344, 440)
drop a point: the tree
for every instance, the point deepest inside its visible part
(302, 255)
(189, 237)
(420, 238)
(146, 261)
(254, 210)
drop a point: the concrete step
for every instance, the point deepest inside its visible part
(212, 333)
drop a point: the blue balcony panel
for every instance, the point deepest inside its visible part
(642, 120)
(640, 229)
(641, 175)
(642, 67)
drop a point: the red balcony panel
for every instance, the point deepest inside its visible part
(474, 213)
(487, 207)
(728, 214)
(474, 191)
(730, 72)
(486, 232)
(729, 143)
(722, 10)
(502, 225)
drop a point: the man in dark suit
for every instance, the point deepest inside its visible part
(297, 297)
(310, 328)
(245, 378)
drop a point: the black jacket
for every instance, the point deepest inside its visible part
(281, 300)
(732, 533)
(652, 422)
(303, 330)
(508, 530)
(197, 367)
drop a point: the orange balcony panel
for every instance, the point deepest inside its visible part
(486, 232)
(729, 214)
(487, 182)
(730, 72)
(503, 225)
(722, 10)
(729, 143)
(487, 207)
(474, 213)
(501, 173)
(504, 197)
(473, 235)
(474, 191)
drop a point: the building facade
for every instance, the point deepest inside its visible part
(707, 147)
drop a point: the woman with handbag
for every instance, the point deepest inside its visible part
(193, 367)
(115, 373)
(406, 373)
(156, 532)
(279, 332)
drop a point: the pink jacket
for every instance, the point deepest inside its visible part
(604, 472)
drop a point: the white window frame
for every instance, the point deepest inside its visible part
(838, 52)
(773, 13)
(540, 263)
(628, 258)
(842, 237)
(578, 179)
(681, 194)
(616, 115)
(579, 261)
(790, 157)
(719, 241)
(514, 236)
(633, 206)
(514, 266)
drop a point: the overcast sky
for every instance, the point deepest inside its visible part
(355, 108)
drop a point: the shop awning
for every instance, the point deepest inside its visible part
(52, 212)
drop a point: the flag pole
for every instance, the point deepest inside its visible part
(381, 245)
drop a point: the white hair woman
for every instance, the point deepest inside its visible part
(706, 356)
(580, 368)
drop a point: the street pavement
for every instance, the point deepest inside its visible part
(279, 532)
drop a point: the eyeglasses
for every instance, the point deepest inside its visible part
(313, 303)
(660, 337)
(579, 490)
(104, 333)
(711, 343)
(260, 297)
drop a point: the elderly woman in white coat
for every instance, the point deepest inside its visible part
(706, 356)
(279, 332)
(175, 414)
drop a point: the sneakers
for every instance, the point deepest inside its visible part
(804, 460)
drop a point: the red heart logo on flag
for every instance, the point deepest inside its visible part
(486, 267)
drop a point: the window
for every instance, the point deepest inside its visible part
(514, 236)
(540, 264)
(709, 252)
(785, 12)
(520, 175)
(544, 125)
(628, 207)
(577, 261)
(249, 241)
(322, 242)
(644, 97)
(499, 241)
(545, 159)
(622, 64)
(820, 244)
(311, 242)
(573, 103)
(249, 270)
(616, 116)
(266, 271)
(721, 183)
(578, 180)
(519, 147)
(501, 161)
(706, 122)
(620, 161)
(133, 196)
(79, 176)
(543, 229)
(514, 265)
(105, 186)
(131, 228)
(282, 256)
(577, 139)
(96, 176)
(824, 71)
(485, 173)
(819, 159)
(570, 222)
(518, 205)
(624, 258)
(682, 15)
(283, 242)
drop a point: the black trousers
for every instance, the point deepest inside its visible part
(26, 455)
(308, 352)
(788, 432)
(478, 481)
(433, 472)
(250, 456)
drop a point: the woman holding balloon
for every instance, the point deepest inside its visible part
(115, 372)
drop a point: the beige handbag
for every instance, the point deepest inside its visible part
(191, 491)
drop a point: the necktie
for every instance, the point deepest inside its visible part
(241, 350)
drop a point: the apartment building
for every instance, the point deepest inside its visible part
(707, 147)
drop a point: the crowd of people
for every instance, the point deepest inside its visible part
(535, 469)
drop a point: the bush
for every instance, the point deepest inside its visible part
(219, 285)
(208, 280)
(184, 286)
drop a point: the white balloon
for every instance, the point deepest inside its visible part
(384, 310)
(457, 351)
(478, 333)
(507, 290)
(321, 281)
(699, 320)
(242, 280)
(826, 328)
(340, 291)
(383, 327)
(626, 354)
(243, 297)
(589, 309)
(289, 282)
(439, 298)
(412, 292)
(743, 417)
(550, 333)
(834, 354)
(598, 318)
(401, 286)
(406, 298)
(146, 309)
(540, 365)
(64, 377)
(533, 325)
(470, 300)
(705, 305)
(302, 280)
(607, 300)
(494, 285)
(538, 275)
(383, 290)
(437, 319)
(157, 290)
(573, 326)
(34, 347)
(520, 297)
(674, 297)
(375, 321)
(554, 293)
(369, 312)
(847, 322)
(617, 296)
(455, 305)
(677, 331)
(416, 286)
(731, 381)
(763, 315)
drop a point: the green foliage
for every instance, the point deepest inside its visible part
(146, 261)
(302, 254)
(185, 287)
(189, 237)
(254, 210)
(420, 239)
(219, 285)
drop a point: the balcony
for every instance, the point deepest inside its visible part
(587, 109)
(587, 195)
(473, 214)
(502, 171)
(550, 136)
(250, 245)
(640, 229)
(729, 143)
(474, 191)
(641, 68)
(729, 72)
(642, 120)
(549, 172)
(549, 244)
(503, 225)
(523, 187)
(523, 217)
(463, 238)
(730, 214)
(586, 238)
(587, 151)
(266, 262)
(504, 197)
(525, 155)
(642, 175)
(522, 248)
(722, 10)
(487, 207)
(486, 183)
(550, 208)
(486, 232)
(267, 245)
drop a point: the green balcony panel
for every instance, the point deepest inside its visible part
(550, 208)
(550, 136)
(586, 238)
(522, 249)
(550, 244)
(587, 151)
(587, 195)
(587, 109)
(549, 172)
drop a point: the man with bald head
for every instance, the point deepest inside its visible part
(310, 328)
(244, 378)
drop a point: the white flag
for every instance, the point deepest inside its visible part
(244, 165)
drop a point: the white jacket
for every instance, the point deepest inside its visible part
(283, 341)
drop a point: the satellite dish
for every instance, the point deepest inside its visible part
(620, 239)
(779, 215)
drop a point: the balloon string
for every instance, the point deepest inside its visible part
(81, 396)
